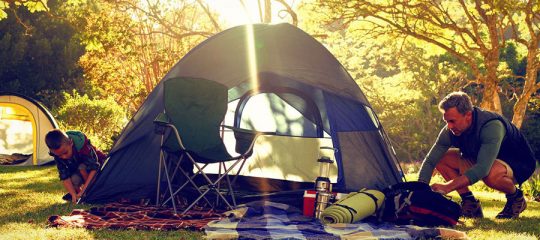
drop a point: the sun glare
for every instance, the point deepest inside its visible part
(252, 57)
(236, 12)
(240, 12)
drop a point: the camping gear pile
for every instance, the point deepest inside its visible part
(268, 220)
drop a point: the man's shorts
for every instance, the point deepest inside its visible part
(465, 164)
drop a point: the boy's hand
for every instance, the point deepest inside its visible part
(74, 198)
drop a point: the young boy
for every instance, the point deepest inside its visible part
(76, 159)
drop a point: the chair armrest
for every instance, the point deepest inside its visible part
(160, 123)
(245, 139)
(162, 119)
(248, 131)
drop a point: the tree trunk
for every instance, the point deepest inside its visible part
(519, 110)
(490, 81)
(491, 100)
(529, 87)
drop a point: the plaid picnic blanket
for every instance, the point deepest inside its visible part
(129, 216)
(268, 220)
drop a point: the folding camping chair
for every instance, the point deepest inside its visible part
(190, 129)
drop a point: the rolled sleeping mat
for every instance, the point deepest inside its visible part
(354, 207)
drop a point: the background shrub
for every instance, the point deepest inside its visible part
(100, 119)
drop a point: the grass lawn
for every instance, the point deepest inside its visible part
(29, 195)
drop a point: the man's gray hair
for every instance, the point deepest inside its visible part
(460, 100)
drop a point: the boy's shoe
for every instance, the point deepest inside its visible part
(471, 208)
(67, 197)
(515, 204)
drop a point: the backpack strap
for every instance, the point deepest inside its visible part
(406, 202)
(372, 198)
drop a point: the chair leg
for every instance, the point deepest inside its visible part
(231, 191)
(169, 185)
(189, 180)
(211, 184)
(159, 177)
(225, 174)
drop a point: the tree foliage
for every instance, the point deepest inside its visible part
(404, 78)
(14, 5)
(132, 44)
(472, 31)
(42, 62)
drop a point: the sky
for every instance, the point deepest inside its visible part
(235, 14)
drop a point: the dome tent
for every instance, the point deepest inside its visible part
(280, 80)
(23, 125)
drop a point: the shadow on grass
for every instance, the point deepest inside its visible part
(14, 169)
(521, 225)
(38, 215)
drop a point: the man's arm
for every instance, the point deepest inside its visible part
(491, 137)
(434, 156)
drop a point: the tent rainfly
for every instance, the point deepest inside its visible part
(279, 80)
(23, 125)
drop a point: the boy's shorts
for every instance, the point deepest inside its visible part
(76, 180)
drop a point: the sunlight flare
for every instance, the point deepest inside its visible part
(252, 57)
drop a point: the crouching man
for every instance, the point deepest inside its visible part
(485, 146)
(76, 159)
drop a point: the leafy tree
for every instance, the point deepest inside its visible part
(472, 31)
(40, 63)
(132, 44)
(403, 80)
(100, 119)
(14, 5)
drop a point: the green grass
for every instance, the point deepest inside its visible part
(29, 195)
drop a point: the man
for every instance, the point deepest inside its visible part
(76, 159)
(489, 148)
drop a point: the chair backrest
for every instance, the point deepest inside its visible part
(196, 107)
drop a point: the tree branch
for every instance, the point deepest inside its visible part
(290, 11)
(209, 14)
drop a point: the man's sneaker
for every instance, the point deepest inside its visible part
(515, 204)
(471, 208)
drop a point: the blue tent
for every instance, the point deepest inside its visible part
(280, 80)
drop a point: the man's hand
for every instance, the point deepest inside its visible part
(445, 188)
(442, 188)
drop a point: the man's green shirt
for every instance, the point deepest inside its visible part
(491, 137)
